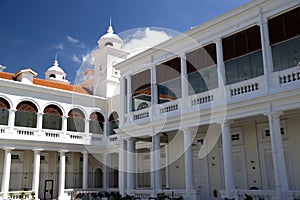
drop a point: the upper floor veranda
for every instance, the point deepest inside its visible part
(245, 57)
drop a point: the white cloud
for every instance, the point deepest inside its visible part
(144, 39)
(72, 40)
(76, 42)
(59, 46)
(87, 62)
(75, 59)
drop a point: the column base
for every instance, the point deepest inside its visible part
(192, 195)
(64, 197)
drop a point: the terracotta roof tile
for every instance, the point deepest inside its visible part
(6, 75)
(50, 84)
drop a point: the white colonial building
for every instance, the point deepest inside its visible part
(213, 113)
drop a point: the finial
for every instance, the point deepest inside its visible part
(110, 29)
(55, 61)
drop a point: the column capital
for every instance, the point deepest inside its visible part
(63, 151)
(8, 148)
(182, 56)
(37, 150)
(225, 123)
(274, 113)
(217, 40)
(189, 130)
(85, 153)
(132, 139)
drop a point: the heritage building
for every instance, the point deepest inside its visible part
(208, 114)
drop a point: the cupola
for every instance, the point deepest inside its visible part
(56, 73)
(110, 39)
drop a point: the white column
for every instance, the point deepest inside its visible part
(62, 175)
(188, 161)
(156, 165)
(184, 78)
(86, 126)
(105, 129)
(122, 167)
(11, 123)
(123, 101)
(105, 177)
(39, 124)
(131, 162)
(265, 44)
(36, 172)
(154, 92)
(85, 171)
(167, 166)
(278, 155)
(129, 104)
(220, 63)
(6, 172)
(227, 157)
(64, 123)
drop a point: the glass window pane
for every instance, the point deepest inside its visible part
(244, 67)
(52, 122)
(169, 91)
(96, 127)
(75, 124)
(286, 54)
(25, 119)
(4, 113)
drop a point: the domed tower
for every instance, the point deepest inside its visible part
(56, 73)
(109, 53)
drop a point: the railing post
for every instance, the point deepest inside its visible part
(11, 123)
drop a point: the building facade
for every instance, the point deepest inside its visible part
(209, 114)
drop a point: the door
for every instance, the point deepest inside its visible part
(48, 190)
(44, 175)
(239, 168)
(268, 172)
(201, 176)
(16, 175)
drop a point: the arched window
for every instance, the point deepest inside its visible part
(142, 106)
(113, 123)
(52, 76)
(26, 114)
(4, 113)
(96, 123)
(52, 118)
(75, 120)
(98, 176)
(109, 44)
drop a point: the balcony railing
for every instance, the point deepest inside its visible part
(289, 75)
(246, 87)
(245, 90)
(169, 107)
(141, 114)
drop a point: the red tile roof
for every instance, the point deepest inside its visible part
(50, 84)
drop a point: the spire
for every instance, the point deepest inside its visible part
(110, 28)
(55, 61)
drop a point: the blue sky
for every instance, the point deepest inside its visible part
(33, 31)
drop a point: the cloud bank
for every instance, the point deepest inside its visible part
(143, 39)
(135, 42)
